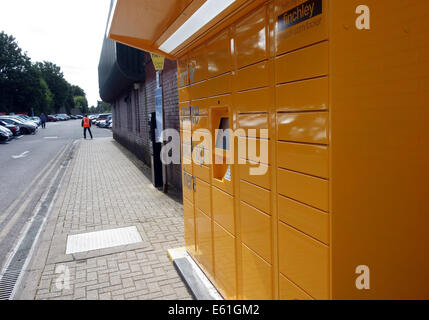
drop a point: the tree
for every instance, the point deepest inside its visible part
(59, 87)
(77, 91)
(48, 100)
(19, 81)
(40, 96)
(79, 98)
(103, 107)
(34, 88)
(81, 103)
(69, 102)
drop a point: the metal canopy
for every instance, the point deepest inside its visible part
(147, 24)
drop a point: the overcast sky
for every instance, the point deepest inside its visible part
(68, 33)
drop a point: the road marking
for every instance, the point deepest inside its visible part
(19, 212)
(27, 228)
(51, 138)
(22, 155)
(30, 186)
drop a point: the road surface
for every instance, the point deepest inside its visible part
(30, 166)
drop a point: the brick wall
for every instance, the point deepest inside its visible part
(171, 114)
(131, 110)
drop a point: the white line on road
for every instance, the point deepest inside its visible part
(31, 185)
(51, 137)
(25, 198)
(39, 231)
(22, 155)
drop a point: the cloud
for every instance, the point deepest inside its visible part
(68, 33)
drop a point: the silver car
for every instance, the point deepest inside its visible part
(5, 134)
(25, 127)
(26, 119)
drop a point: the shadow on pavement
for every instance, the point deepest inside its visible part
(173, 193)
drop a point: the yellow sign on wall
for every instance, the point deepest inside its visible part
(158, 61)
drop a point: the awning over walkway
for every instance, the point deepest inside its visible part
(172, 27)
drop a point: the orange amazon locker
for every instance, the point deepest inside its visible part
(322, 188)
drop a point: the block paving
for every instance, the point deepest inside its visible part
(104, 189)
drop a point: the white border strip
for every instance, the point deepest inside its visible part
(206, 13)
(111, 14)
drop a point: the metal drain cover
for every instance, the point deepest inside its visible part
(7, 283)
(102, 239)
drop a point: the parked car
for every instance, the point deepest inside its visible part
(109, 122)
(25, 127)
(26, 119)
(79, 116)
(5, 134)
(62, 117)
(104, 123)
(37, 120)
(23, 119)
(93, 118)
(16, 130)
(51, 118)
(101, 120)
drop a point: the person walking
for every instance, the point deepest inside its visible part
(86, 125)
(43, 120)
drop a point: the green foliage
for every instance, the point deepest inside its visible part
(81, 103)
(48, 98)
(77, 91)
(33, 88)
(56, 82)
(16, 74)
(103, 107)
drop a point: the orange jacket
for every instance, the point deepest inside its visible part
(86, 123)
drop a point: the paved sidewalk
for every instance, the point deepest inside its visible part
(103, 189)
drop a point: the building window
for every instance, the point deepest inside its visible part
(137, 108)
(114, 111)
(118, 113)
(129, 114)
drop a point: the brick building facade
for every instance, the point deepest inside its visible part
(131, 113)
(128, 80)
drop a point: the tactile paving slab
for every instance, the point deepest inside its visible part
(102, 239)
